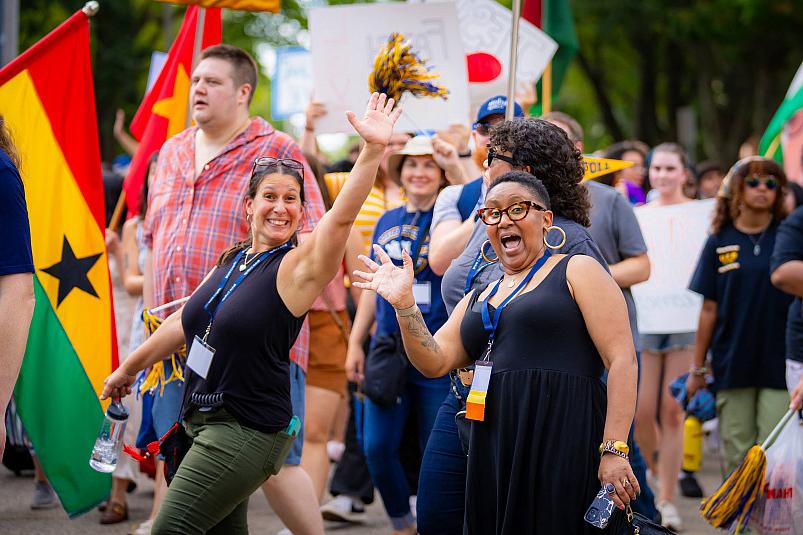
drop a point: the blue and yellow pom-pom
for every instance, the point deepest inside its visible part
(398, 70)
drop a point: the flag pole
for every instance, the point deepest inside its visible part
(514, 47)
(196, 54)
(91, 9)
(546, 89)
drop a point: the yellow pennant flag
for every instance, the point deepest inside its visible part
(240, 5)
(595, 167)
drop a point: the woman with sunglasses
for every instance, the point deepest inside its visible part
(743, 318)
(239, 326)
(542, 440)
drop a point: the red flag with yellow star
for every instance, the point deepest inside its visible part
(163, 112)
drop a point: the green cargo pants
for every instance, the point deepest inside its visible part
(225, 465)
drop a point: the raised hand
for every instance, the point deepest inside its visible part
(394, 284)
(376, 125)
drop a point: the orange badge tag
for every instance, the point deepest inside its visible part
(475, 403)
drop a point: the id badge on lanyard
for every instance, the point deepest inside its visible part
(475, 403)
(422, 292)
(200, 358)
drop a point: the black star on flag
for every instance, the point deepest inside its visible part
(72, 272)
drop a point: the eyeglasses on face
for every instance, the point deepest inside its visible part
(770, 181)
(493, 155)
(516, 212)
(268, 162)
(484, 128)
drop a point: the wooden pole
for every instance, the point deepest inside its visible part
(546, 90)
(196, 55)
(119, 212)
(514, 48)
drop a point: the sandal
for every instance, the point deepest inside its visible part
(115, 513)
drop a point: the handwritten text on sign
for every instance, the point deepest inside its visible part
(675, 235)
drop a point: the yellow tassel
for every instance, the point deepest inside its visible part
(729, 507)
(398, 70)
(156, 377)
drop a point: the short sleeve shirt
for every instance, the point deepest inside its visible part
(399, 230)
(789, 247)
(446, 205)
(747, 347)
(617, 233)
(192, 219)
(15, 231)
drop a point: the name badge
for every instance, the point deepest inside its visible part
(475, 402)
(422, 292)
(200, 357)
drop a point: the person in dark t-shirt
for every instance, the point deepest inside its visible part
(743, 317)
(787, 275)
(239, 326)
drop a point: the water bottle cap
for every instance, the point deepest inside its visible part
(117, 411)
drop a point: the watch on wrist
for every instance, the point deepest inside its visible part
(616, 447)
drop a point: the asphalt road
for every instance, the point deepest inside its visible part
(16, 516)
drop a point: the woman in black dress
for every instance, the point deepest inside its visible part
(237, 407)
(534, 462)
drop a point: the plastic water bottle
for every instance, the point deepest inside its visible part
(110, 438)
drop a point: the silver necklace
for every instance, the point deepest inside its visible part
(757, 242)
(245, 263)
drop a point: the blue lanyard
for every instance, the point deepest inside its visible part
(490, 323)
(262, 256)
(477, 267)
(423, 230)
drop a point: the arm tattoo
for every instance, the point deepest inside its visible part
(417, 328)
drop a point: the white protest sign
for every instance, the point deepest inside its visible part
(291, 86)
(485, 27)
(675, 235)
(346, 39)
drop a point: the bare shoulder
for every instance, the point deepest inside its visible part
(583, 270)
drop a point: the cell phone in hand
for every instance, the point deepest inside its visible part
(600, 511)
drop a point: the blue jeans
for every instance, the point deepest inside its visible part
(442, 484)
(383, 428)
(298, 386)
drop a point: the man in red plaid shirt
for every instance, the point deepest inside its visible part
(196, 211)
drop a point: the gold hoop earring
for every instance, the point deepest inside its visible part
(562, 233)
(482, 252)
(248, 218)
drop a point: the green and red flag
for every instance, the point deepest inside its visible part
(555, 18)
(163, 112)
(48, 100)
(787, 122)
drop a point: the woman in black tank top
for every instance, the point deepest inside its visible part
(249, 310)
(541, 336)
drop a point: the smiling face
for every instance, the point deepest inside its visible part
(275, 211)
(517, 243)
(420, 176)
(215, 99)
(667, 173)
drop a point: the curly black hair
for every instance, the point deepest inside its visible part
(552, 158)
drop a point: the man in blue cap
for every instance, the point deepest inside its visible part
(451, 221)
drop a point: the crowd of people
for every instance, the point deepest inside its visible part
(447, 316)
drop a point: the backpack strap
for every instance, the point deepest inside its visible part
(469, 196)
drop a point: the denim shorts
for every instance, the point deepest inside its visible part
(662, 343)
(298, 384)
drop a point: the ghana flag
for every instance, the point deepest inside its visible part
(47, 98)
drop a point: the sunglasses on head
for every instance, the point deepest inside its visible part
(493, 155)
(268, 162)
(516, 212)
(770, 181)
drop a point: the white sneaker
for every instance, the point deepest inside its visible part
(413, 503)
(144, 528)
(670, 518)
(344, 509)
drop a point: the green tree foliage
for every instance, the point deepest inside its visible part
(729, 61)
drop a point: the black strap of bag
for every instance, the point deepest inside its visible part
(631, 523)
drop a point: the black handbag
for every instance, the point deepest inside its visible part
(174, 445)
(385, 370)
(632, 523)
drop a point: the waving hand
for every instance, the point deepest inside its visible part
(376, 125)
(393, 283)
